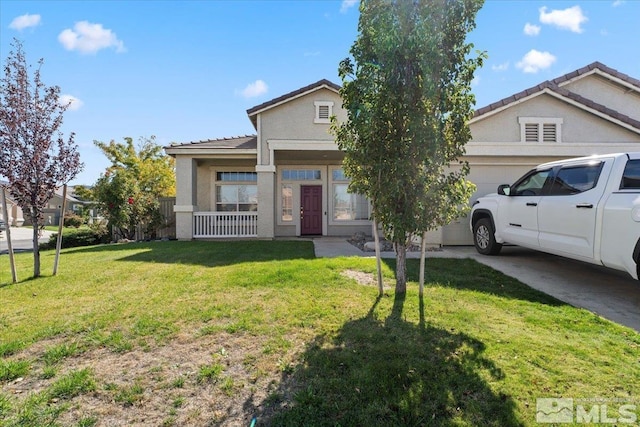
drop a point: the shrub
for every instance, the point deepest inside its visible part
(73, 220)
(73, 238)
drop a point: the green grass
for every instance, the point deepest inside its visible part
(290, 339)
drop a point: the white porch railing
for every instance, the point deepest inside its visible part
(225, 224)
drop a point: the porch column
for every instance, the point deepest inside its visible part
(266, 201)
(186, 200)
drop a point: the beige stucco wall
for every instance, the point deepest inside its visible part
(605, 92)
(294, 121)
(578, 126)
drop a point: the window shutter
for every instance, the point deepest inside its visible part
(549, 132)
(531, 132)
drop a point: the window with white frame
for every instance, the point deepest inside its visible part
(287, 202)
(347, 206)
(324, 111)
(236, 192)
(540, 129)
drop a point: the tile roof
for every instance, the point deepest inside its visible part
(295, 93)
(555, 86)
(246, 142)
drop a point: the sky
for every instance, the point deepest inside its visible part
(187, 71)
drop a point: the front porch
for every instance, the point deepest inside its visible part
(208, 225)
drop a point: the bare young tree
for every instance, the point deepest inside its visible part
(34, 157)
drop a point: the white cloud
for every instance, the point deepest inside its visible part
(617, 3)
(531, 30)
(25, 21)
(501, 67)
(346, 5)
(89, 38)
(568, 19)
(73, 102)
(535, 61)
(254, 89)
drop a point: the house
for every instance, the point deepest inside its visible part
(287, 180)
(15, 219)
(52, 210)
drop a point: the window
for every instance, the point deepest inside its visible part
(347, 206)
(234, 193)
(287, 202)
(301, 174)
(575, 179)
(540, 129)
(532, 184)
(324, 111)
(631, 176)
(237, 176)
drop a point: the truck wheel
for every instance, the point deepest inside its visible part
(484, 239)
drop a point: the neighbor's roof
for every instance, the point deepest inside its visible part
(555, 87)
(246, 142)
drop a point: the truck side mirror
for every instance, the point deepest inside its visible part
(504, 189)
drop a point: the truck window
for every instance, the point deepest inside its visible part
(631, 176)
(531, 184)
(575, 179)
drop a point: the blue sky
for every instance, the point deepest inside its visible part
(188, 70)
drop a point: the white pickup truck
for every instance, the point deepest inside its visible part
(586, 208)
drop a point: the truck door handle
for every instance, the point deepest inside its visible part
(532, 204)
(584, 205)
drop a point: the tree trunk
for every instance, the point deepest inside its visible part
(423, 250)
(36, 248)
(378, 258)
(401, 267)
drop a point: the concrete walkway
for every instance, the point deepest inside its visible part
(330, 247)
(611, 294)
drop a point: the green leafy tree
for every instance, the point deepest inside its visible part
(34, 156)
(406, 90)
(127, 192)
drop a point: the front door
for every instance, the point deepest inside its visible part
(310, 210)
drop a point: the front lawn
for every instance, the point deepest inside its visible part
(221, 333)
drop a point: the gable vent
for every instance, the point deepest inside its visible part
(323, 112)
(549, 133)
(531, 132)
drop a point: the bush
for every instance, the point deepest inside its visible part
(73, 238)
(73, 220)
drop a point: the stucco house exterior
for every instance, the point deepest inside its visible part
(286, 180)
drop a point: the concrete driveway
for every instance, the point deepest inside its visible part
(612, 294)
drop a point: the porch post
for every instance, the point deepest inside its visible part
(266, 201)
(186, 200)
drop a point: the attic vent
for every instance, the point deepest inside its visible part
(540, 129)
(549, 132)
(324, 110)
(531, 132)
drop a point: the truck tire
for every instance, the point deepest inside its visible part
(484, 238)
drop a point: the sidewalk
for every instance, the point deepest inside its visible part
(331, 247)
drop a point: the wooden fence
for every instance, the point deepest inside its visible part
(167, 230)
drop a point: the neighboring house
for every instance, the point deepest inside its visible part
(52, 211)
(16, 219)
(287, 179)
